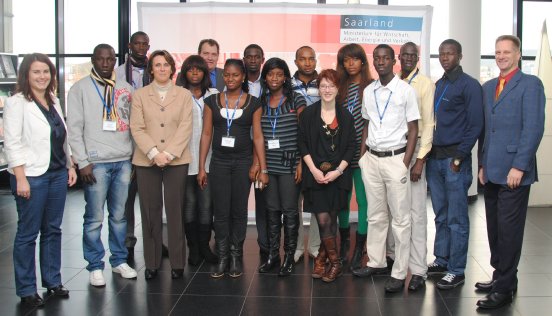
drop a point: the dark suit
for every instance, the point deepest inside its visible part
(514, 125)
(220, 80)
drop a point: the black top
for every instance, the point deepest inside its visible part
(240, 128)
(58, 159)
(314, 141)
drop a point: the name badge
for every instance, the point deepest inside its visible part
(273, 143)
(228, 141)
(110, 126)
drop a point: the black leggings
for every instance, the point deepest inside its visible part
(327, 223)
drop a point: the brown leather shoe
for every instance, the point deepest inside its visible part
(319, 269)
(336, 268)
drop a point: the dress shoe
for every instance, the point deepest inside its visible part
(368, 271)
(58, 291)
(495, 300)
(33, 300)
(416, 282)
(177, 273)
(485, 286)
(150, 274)
(394, 285)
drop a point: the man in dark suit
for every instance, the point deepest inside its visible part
(209, 49)
(514, 125)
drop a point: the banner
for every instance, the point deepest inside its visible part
(281, 28)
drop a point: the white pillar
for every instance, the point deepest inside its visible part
(465, 27)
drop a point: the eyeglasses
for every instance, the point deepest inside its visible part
(327, 87)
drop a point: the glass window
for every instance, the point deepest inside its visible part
(497, 18)
(534, 14)
(34, 26)
(89, 23)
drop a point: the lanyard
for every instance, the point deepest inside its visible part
(414, 76)
(107, 108)
(198, 104)
(351, 106)
(303, 89)
(273, 123)
(441, 97)
(230, 120)
(381, 115)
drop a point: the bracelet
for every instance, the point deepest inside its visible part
(265, 171)
(339, 170)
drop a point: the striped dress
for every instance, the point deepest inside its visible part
(353, 102)
(284, 159)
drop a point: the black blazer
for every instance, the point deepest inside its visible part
(309, 140)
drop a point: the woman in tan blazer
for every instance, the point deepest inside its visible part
(161, 125)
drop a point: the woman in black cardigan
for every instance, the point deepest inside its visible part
(327, 145)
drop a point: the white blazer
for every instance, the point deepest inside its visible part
(27, 136)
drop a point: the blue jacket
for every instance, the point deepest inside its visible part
(458, 109)
(514, 125)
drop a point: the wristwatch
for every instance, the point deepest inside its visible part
(265, 171)
(456, 162)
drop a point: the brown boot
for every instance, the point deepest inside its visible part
(319, 269)
(336, 267)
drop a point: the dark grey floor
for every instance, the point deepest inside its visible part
(255, 294)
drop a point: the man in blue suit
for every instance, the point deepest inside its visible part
(514, 125)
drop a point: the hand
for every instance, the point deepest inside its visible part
(481, 176)
(331, 176)
(202, 179)
(23, 188)
(161, 159)
(318, 175)
(87, 174)
(416, 170)
(298, 173)
(453, 167)
(254, 171)
(263, 177)
(514, 178)
(71, 176)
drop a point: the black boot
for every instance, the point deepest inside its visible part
(236, 256)
(360, 247)
(345, 236)
(291, 227)
(194, 257)
(204, 249)
(223, 257)
(274, 228)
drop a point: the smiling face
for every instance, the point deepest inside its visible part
(210, 54)
(275, 79)
(507, 56)
(39, 77)
(449, 57)
(233, 77)
(161, 70)
(328, 90)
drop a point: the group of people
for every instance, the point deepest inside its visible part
(194, 146)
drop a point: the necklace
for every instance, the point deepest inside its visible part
(328, 131)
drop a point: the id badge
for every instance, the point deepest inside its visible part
(110, 126)
(228, 141)
(273, 143)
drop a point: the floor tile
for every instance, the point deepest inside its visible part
(198, 305)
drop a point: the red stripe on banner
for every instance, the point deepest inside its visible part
(325, 28)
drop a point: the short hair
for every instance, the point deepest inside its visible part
(454, 43)
(514, 39)
(303, 47)
(253, 46)
(209, 41)
(167, 57)
(330, 75)
(238, 63)
(276, 63)
(411, 44)
(194, 61)
(23, 84)
(389, 49)
(102, 46)
(139, 33)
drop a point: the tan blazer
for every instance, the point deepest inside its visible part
(166, 125)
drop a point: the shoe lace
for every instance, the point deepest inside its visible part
(433, 265)
(449, 277)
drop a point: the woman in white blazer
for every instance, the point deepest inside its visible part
(39, 161)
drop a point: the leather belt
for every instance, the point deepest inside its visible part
(389, 153)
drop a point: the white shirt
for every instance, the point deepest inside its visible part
(397, 105)
(137, 74)
(255, 87)
(197, 126)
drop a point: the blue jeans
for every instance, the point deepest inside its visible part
(43, 213)
(112, 182)
(449, 196)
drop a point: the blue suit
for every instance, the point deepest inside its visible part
(514, 125)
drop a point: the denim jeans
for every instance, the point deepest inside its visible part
(197, 205)
(43, 213)
(112, 181)
(449, 196)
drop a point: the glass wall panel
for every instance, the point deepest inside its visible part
(34, 26)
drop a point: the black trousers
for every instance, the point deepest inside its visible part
(506, 211)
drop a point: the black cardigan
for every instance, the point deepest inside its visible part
(310, 124)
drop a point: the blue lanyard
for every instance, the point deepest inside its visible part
(273, 123)
(230, 120)
(303, 90)
(350, 106)
(107, 108)
(415, 74)
(441, 97)
(381, 115)
(199, 104)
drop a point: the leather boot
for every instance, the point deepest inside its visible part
(203, 244)
(194, 257)
(345, 243)
(236, 257)
(319, 269)
(274, 229)
(335, 262)
(360, 247)
(222, 245)
(291, 227)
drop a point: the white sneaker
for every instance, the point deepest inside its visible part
(125, 271)
(97, 278)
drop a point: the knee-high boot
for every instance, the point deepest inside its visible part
(335, 262)
(360, 247)
(345, 244)
(194, 257)
(274, 231)
(291, 226)
(236, 260)
(203, 243)
(223, 257)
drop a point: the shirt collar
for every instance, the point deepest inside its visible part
(510, 75)
(454, 74)
(392, 85)
(410, 75)
(296, 77)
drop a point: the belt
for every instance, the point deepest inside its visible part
(389, 153)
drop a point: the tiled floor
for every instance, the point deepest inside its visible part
(255, 294)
